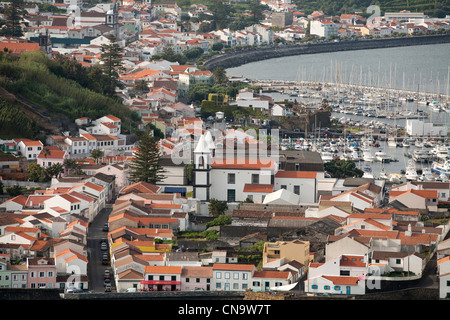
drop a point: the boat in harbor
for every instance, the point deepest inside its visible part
(442, 167)
(368, 156)
(382, 156)
(391, 142)
(367, 172)
(326, 156)
(427, 175)
(406, 144)
(421, 155)
(411, 171)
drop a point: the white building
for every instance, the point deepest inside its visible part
(343, 275)
(232, 277)
(415, 127)
(444, 277)
(323, 28)
(247, 98)
(30, 149)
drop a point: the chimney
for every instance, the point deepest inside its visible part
(408, 233)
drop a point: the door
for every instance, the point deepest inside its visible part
(266, 285)
(348, 290)
(231, 195)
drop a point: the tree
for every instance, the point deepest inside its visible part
(70, 166)
(36, 173)
(55, 170)
(14, 12)
(217, 207)
(14, 191)
(96, 154)
(111, 62)
(340, 169)
(221, 10)
(220, 75)
(145, 165)
(256, 10)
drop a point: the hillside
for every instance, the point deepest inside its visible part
(38, 97)
(438, 8)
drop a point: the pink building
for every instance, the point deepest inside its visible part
(51, 155)
(41, 273)
(196, 278)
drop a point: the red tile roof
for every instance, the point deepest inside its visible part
(296, 174)
(263, 188)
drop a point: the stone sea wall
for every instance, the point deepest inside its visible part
(235, 58)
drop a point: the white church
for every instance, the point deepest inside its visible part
(240, 176)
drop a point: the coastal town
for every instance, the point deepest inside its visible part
(245, 193)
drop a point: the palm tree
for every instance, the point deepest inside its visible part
(69, 165)
(96, 154)
(46, 152)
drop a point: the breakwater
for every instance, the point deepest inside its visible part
(235, 58)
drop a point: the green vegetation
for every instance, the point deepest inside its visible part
(10, 115)
(438, 8)
(145, 164)
(199, 235)
(217, 207)
(340, 169)
(221, 220)
(57, 88)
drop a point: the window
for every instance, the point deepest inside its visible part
(344, 272)
(236, 276)
(326, 287)
(174, 278)
(197, 280)
(150, 278)
(231, 178)
(398, 261)
(314, 286)
(218, 285)
(227, 275)
(244, 286)
(255, 178)
(187, 280)
(337, 288)
(244, 276)
(283, 186)
(41, 274)
(161, 278)
(219, 275)
(297, 189)
(256, 283)
(235, 286)
(50, 274)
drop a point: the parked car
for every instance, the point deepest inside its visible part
(107, 282)
(107, 274)
(106, 227)
(105, 258)
(104, 246)
(108, 288)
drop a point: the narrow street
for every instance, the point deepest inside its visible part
(95, 267)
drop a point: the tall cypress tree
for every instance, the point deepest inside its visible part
(145, 165)
(111, 58)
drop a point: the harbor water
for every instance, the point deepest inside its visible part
(418, 69)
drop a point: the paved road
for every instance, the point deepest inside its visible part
(95, 267)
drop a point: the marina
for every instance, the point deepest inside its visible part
(395, 115)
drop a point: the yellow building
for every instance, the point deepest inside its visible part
(289, 250)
